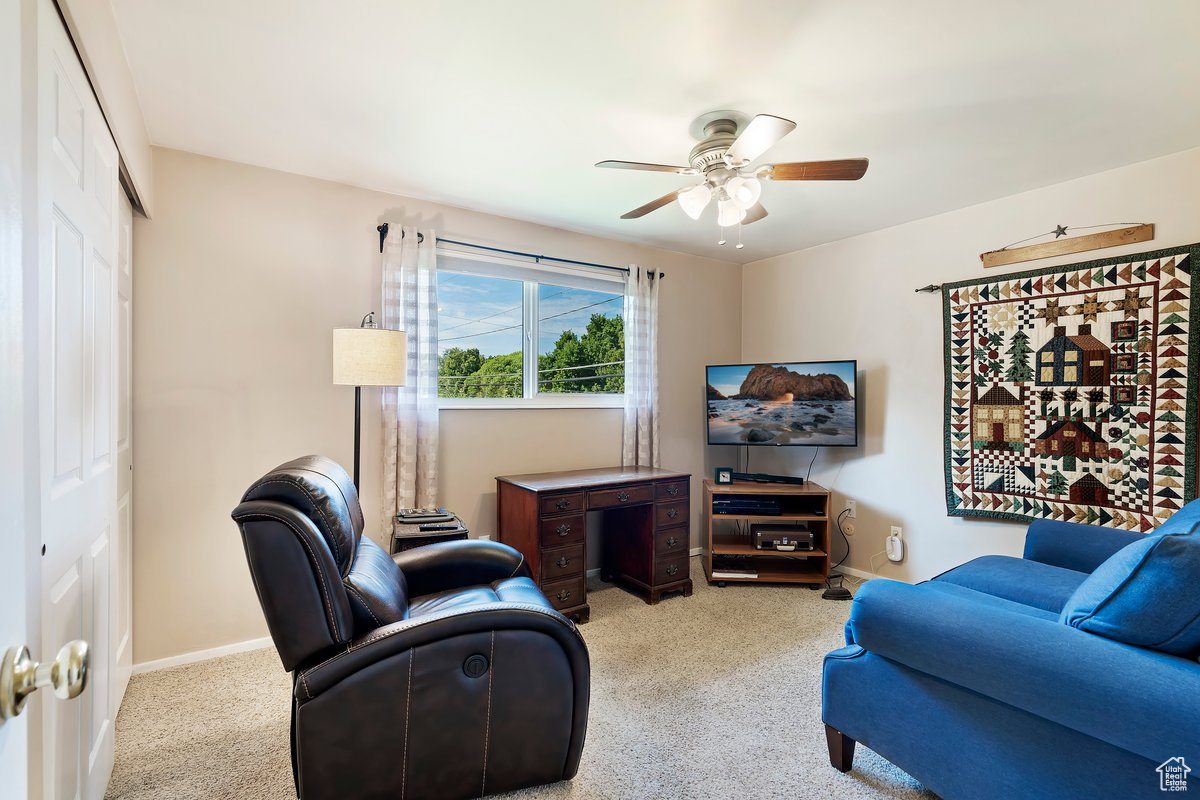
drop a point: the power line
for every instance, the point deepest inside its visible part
(505, 311)
(521, 325)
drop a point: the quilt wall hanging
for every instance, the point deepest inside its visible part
(1071, 392)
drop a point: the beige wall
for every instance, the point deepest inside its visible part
(241, 275)
(854, 299)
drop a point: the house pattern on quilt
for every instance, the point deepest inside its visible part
(1068, 392)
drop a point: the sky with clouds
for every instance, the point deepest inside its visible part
(485, 312)
(728, 379)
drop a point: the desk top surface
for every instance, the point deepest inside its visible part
(584, 478)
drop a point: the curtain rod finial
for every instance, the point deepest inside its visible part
(383, 232)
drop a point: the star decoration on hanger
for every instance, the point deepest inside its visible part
(1060, 230)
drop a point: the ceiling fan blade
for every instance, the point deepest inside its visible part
(763, 132)
(653, 205)
(844, 169)
(647, 167)
(754, 213)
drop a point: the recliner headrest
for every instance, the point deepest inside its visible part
(320, 488)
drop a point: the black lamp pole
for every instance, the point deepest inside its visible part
(357, 430)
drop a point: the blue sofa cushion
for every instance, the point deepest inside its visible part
(1144, 595)
(1029, 583)
(1185, 520)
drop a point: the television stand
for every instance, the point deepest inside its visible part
(764, 477)
(728, 541)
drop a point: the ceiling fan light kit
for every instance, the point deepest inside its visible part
(728, 143)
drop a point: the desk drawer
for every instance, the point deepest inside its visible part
(671, 490)
(624, 496)
(562, 562)
(675, 513)
(560, 503)
(565, 594)
(671, 569)
(670, 542)
(559, 531)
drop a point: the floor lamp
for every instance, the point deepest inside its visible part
(367, 356)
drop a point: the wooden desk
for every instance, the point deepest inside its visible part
(644, 538)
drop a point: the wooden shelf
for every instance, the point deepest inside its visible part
(780, 517)
(737, 549)
(771, 566)
(775, 576)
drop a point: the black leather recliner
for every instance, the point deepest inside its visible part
(440, 673)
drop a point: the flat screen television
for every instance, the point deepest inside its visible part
(804, 403)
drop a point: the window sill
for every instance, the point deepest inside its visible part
(577, 401)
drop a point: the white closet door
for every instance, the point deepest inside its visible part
(122, 566)
(78, 221)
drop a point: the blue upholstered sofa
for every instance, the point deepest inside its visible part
(1070, 672)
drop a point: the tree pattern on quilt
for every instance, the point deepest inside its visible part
(1068, 392)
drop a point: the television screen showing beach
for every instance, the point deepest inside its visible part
(809, 404)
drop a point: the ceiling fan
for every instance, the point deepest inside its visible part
(728, 142)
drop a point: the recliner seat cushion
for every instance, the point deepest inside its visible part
(1030, 583)
(511, 590)
(1146, 595)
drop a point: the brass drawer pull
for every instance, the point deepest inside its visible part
(564, 529)
(672, 513)
(563, 561)
(672, 541)
(563, 595)
(561, 504)
(672, 569)
(672, 490)
(622, 497)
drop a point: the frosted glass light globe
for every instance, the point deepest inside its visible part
(694, 200)
(729, 213)
(743, 191)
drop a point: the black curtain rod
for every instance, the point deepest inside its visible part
(383, 233)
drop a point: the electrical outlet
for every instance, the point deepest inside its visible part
(852, 507)
(897, 531)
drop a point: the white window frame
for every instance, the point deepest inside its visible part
(531, 274)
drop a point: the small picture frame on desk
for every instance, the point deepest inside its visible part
(723, 476)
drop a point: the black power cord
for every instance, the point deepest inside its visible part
(834, 590)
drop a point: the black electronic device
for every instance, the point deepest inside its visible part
(766, 507)
(765, 477)
(784, 537)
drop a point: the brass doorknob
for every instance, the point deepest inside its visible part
(21, 676)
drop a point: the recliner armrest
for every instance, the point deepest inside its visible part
(398, 637)
(452, 565)
(1140, 700)
(1072, 545)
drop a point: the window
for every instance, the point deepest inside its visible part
(516, 334)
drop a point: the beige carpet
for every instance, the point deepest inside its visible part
(712, 696)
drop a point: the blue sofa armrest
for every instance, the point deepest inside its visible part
(1071, 545)
(1140, 700)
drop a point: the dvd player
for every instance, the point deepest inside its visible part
(746, 505)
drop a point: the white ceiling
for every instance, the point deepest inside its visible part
(504, 106)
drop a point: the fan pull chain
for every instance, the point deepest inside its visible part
(722, 239)
(739, 244)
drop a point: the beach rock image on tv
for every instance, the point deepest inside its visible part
(809, 404)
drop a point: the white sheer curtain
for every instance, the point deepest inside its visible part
(410, 413)
(640, 438)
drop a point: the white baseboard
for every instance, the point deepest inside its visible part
(202, 655)
(857, 573)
